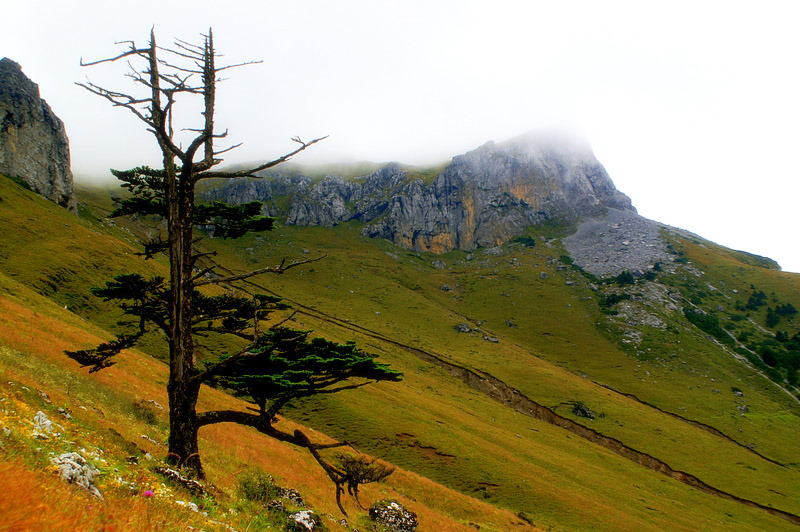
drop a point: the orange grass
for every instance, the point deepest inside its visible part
(36, 501)
(33, 325)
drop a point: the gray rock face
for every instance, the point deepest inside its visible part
(33, 141)
(482, 199)
(489, 195)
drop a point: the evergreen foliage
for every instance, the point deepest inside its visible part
(756, 300)
(625, 278)
(772, 318)
(708, 324)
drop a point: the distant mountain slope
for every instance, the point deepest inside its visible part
(481, 199)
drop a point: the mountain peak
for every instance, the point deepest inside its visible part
(483, 198)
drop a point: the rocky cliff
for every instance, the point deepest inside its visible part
(481, 199)
(33, 141)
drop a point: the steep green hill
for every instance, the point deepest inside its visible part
(686, 433)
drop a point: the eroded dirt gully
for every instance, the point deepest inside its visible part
(513, 398)
(693, 422)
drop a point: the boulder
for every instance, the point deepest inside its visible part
(305, 521)
(73, 468)
(393, 515)
(463, 327)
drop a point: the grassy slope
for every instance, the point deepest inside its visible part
(457, 436)
(362, 286)
(34, 332)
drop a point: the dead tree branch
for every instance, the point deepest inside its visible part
(275, 269)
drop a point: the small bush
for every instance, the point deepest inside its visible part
(608, 301)
(757, 299)
(257, 487)
(362, 470)
(625, 278)
(527, 241)
(580, 409)
(708, 324)
(772, 318)
(144, 412)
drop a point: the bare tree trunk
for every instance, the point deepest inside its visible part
(182, 391)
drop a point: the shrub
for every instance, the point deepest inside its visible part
(580, 409)
(527, 241)
(258, 487)
(362, 470)
(143, 411)
(768, 356)
(772, 318)
(625, 278)
(708, 324)
(608, 301)
(756, 300)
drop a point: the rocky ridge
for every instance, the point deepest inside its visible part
(481, 199)
(33, 141)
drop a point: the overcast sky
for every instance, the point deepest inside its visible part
(691, 106)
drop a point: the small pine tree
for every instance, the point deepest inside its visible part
(772, 318)
(625, 278)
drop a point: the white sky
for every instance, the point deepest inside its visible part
(693, 107)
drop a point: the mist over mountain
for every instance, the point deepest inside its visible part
(482, 198)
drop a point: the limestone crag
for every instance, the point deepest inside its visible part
(33, 141)
(482, 198)
(489, 195)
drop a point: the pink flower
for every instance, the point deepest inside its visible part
(148, 493)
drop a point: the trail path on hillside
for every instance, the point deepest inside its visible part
(501, 392)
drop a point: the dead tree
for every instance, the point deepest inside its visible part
(272, 367)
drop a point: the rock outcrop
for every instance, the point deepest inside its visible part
(33, 141)
(482, 198)
(489, 195)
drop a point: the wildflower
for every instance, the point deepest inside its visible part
(148, 493)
